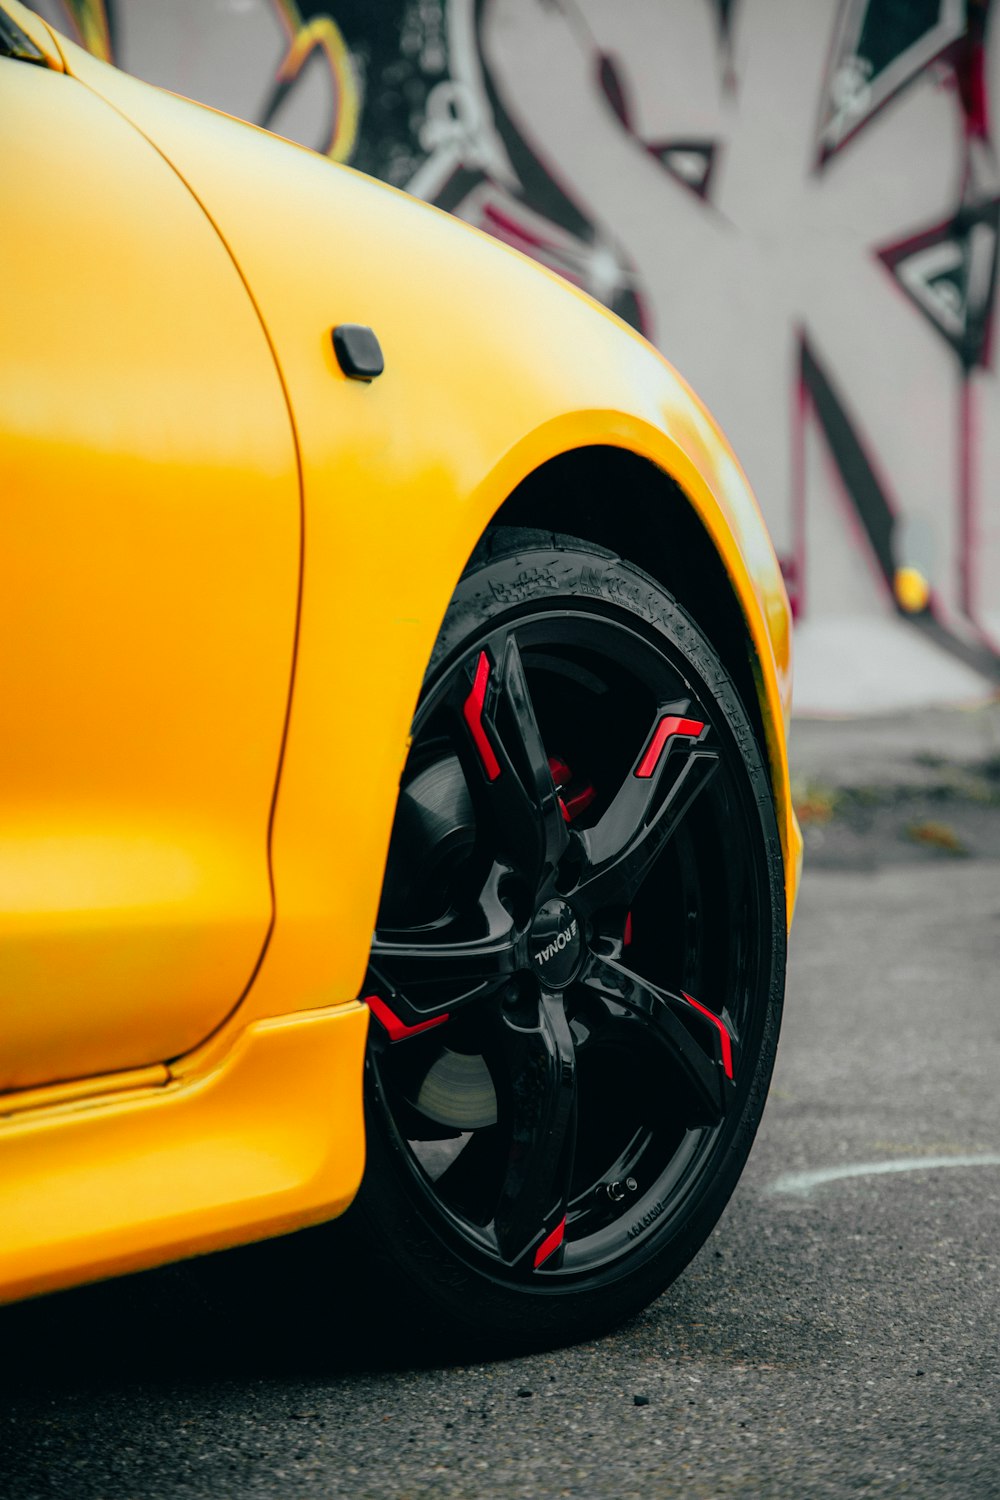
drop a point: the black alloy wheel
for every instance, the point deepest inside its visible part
(578, 966)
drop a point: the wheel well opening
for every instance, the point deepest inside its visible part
(620, 501)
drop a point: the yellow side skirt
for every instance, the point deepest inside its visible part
(270, 1140)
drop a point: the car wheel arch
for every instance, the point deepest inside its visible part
(651, 522)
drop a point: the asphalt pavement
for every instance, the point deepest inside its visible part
(838, 1335)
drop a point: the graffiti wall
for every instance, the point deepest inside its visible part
(798, 202)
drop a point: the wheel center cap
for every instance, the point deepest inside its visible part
(555, 944)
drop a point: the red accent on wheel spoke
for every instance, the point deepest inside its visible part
(551, 1243)
(472, 712)
(628, 929)
(668, 727)
(397, 1029)
(727, 1045)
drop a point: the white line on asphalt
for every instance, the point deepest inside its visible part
(802, 1183)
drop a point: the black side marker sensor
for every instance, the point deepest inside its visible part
(358, 351)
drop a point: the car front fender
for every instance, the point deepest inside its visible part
(492, 368)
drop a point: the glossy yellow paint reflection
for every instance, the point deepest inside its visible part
(38, 32)
(148, 598)
(55, 1094)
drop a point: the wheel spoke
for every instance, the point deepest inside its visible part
(429, 976)
(633, 804)
(511, 782)
(622, 847)
(524, 741)
(408, 961)
(469, 1179)
(653, 1016)
(538, 1106)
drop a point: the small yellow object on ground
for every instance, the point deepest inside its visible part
(913, 592)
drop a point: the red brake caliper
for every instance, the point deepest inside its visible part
(575, 800)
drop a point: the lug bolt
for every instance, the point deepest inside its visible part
(616, 1191)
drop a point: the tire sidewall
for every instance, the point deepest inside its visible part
(516, 572)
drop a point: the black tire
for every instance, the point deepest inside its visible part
(578, 968)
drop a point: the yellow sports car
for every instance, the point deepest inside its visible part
(394, 681)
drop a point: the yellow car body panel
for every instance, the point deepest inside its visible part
(265, 1142)
(493, 368)
(148, 610)
(39, 34)
(461, 415)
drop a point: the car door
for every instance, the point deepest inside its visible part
(150, 560)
